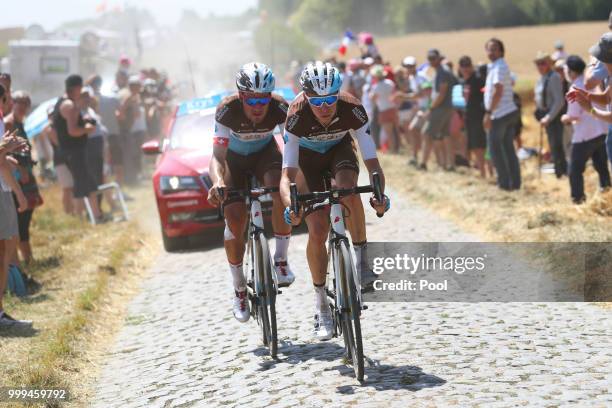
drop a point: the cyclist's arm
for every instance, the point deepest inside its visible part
(368, 152)
(291, 155)
(220, 144)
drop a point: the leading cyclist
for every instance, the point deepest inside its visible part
(243, 144)
(317, 138)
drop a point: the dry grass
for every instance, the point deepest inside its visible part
(522, 43)
(88, 274)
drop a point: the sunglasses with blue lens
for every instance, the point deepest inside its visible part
(320, 100)
(257, 101)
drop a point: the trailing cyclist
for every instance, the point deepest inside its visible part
(244, 144)
(320, 123)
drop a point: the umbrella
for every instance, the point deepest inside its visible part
(38, 119)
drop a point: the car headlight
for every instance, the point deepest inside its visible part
(170, 184)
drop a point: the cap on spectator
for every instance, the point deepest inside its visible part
(95, 81)
(409, 61)
(87, 91)
(434, 53)
(560, 63)
(22, 97)
(542, 56)
(377, 71)
(368, 61)
(354, 65)
(134, 80)
(73, 80)
(603, 49)
(575, 63)
(426, 85)
(559, 45)
(125, 60)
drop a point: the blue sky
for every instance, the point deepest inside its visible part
(51, 13)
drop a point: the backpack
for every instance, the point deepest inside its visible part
(16, 283)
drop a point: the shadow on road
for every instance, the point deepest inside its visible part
(379, 376)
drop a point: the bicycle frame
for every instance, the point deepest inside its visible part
(337, 233)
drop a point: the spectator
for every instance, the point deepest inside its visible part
(5, 81)
(501, 116)
(131, 113)
(474, 111)
(588, 140)
(519, 123)
(9, 228)
(439, 114)
(152, 109)
(559, 53)
(72, 132)
(95, 141)
(355, 79)
(413, 93)
(599, 73)
(382, 95)
(24, 173)
(108, 105)
(64, 177)
(550, 101)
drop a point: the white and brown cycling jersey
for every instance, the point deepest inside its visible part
(234, 130)
(303, 130)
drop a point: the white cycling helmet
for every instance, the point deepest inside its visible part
(255, 77)
(320, 78)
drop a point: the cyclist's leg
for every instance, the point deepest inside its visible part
(236, 218)
(345, 170)
(313, 165)
(268, 172)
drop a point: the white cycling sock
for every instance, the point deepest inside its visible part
(282, 245)
(238, 277)
(320, 298)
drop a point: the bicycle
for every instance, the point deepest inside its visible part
(344, 297)
(262, 287)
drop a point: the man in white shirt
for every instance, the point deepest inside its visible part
(501, 116)
(588, 140)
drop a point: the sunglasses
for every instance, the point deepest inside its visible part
(257, 101)
(320, 100)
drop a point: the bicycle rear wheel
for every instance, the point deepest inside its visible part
(267, 295)
(351, 324)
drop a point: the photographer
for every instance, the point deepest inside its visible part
(72, 132)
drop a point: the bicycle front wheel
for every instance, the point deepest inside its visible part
(267, 294)
(351, 312)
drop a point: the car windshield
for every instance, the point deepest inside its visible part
(193, 131)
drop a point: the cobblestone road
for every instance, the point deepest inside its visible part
(181, 347)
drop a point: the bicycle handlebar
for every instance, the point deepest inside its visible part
(336, 193)
(253, 193)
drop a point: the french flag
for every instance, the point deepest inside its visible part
(346, 41)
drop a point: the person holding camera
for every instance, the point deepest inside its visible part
(72, 133)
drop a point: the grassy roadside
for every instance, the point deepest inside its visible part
(88, 275)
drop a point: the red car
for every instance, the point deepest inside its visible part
(181, 179)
